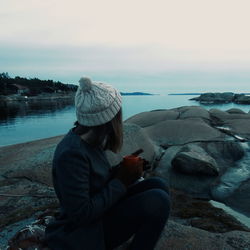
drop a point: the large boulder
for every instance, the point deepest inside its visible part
(175, 132)
(218, 116)
(224, 152)
(146, 119)
(200, 171)
(192, 159)
(193, 112)
(234, 122)
(231, 114)
(198, 186)
(240, 127)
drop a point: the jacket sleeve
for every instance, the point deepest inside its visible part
(73, 175)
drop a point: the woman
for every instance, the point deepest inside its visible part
(101, 208)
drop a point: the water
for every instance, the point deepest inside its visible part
(27, 121)
(234, 176)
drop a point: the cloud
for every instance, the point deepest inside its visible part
(179, 25)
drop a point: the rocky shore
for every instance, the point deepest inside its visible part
(204, 155)
(225, 97)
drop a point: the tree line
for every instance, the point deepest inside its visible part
(32, 86)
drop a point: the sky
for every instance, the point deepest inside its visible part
(133, 44)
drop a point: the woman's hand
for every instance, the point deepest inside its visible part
(130, 170)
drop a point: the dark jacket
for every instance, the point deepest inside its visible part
(85, 189)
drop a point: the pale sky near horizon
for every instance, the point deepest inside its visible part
(62, 39)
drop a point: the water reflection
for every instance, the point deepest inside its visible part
(12, 110)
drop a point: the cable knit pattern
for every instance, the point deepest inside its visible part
(96, 103)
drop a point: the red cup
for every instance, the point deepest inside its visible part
(130, 160)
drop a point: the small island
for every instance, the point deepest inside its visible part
(224, 97)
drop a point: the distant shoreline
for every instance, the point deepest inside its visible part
(185, 94)
(136, 93)
(202, 93)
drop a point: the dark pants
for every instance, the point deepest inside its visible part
(143, 212)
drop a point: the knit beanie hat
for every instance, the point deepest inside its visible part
(96, 103)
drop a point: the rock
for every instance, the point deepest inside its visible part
(234, 124)
(222, 154)
(225, 153)
(146, 119)
(194, 112)
(191, 184)
(218, 116)
(20, 198)
(176, 236)
(134, 139)
(194, 160)
(29, 237)
(225, 97)
(30, 160)
(202, 214)
(175, 132)
(225, 115)
(235, 111)
(240, 127)
(240, 199)
(242, 99)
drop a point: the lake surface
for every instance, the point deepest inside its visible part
(27, 121)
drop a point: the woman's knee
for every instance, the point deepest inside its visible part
(156, 203)
(158, 182)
